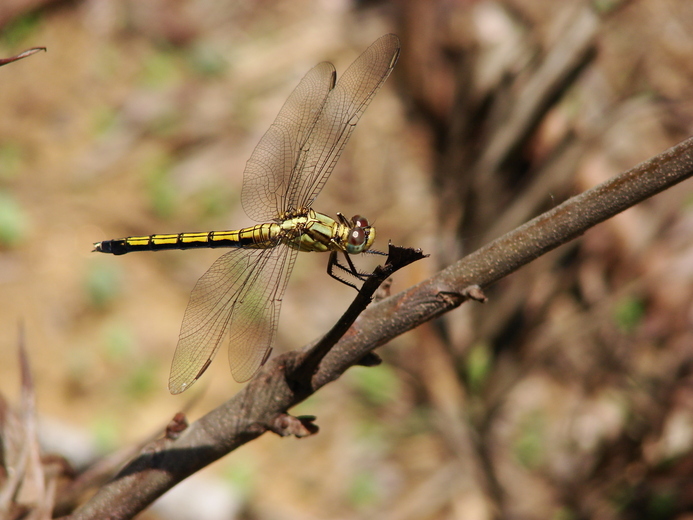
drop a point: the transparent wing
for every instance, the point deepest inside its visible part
(268, 172)
(344, 106)
(296, 156)
(238, 297)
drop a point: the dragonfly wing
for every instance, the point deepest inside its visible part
(251, 336)
(344, 106)
(268, 174)
(238, 297)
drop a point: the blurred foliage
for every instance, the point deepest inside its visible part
(478, 366)
(363, 489)
(161, 70)
(241, 473)
(103, 283)
(166, 124)
(140, 382)
(106, 432)
(206, 62)
(662, 505)
(14, 222)
(606, 6)
(11, 158)
(564, 513)
(119, 344)
(214, 201)
(530, 448)
(379, 385)
(163, 195)
(629, 313)
(17, 32)
(105, 119)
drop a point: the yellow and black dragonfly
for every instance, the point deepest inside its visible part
(240, 295)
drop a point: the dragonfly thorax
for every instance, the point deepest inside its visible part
(313, 231)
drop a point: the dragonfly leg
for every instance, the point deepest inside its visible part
(351, 269)
(345, 221)
(334, 262)
(373, 252)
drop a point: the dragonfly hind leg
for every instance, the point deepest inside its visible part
(351, 270)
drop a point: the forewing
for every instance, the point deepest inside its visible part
(344, 106)
(238, 297)
(268, 172)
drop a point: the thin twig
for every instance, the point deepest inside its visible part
(28, 52)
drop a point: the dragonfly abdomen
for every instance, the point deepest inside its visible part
(260, 236)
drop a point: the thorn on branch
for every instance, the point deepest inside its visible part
(301, 426)
(383, 291)
(370, 360)
(450, 299)
(474, 292)
(178, 424)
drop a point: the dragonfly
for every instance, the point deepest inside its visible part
(240, 296)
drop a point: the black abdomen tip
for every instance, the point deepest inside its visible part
(114, 247)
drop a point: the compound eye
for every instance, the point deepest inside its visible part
(359, 221)
(357, 237)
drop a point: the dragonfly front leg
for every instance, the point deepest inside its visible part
(334, 262)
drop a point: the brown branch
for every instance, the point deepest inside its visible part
(262, 404)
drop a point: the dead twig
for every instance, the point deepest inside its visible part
(28, 52)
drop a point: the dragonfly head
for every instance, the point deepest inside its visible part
(361, 235)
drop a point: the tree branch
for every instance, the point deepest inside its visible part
(286, 380)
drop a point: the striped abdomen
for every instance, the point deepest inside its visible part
(260, 236)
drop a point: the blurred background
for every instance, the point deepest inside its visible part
(568, 395)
